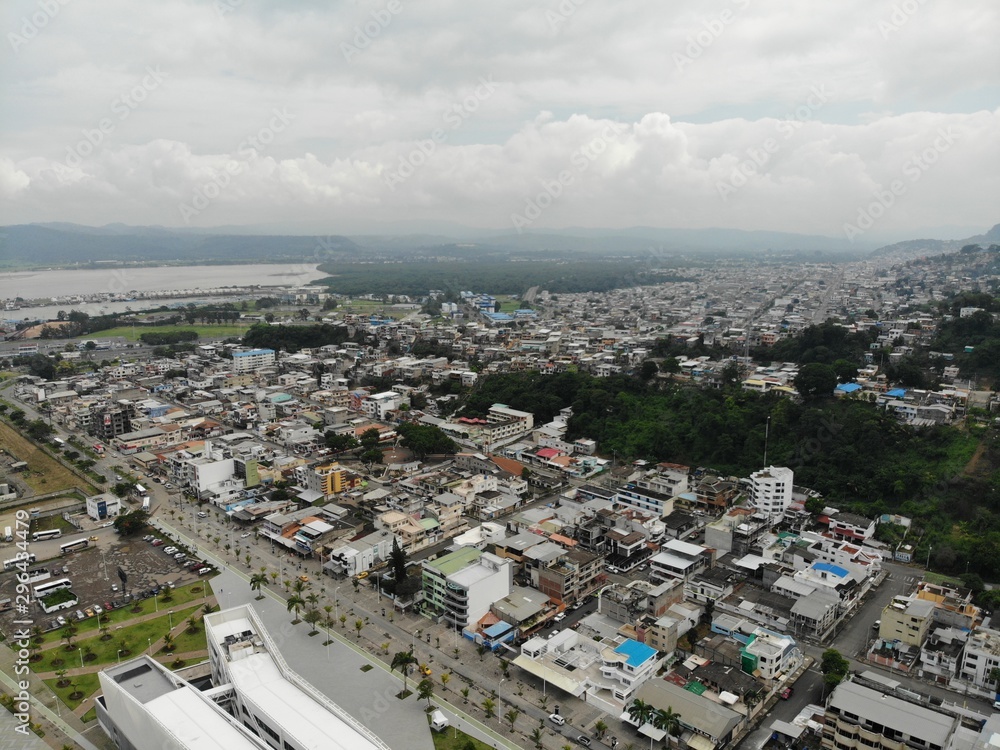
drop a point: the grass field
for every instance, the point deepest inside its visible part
(115, 617)
(510, 304)
(85, 684)
(44, 474)
(454, 739)
(135, 636)
(203, 331)
(186, 641)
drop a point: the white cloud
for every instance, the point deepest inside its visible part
(693, 85)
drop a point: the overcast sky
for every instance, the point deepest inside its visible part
(751, 114)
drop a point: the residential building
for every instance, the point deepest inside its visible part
(460, 587)
(852, 527)
(906, 619)
(771, 491)
(678, 559)
(349, 558)
(769, 655)
(704, 723)
(981, 657)
(252, 359)
(861, 718)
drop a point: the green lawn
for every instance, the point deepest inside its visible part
(89, 716)
(186, 641)
(85, 683)
(454, 739)
(510, 304)
(135, 636)
(203, 331)
(180, 597)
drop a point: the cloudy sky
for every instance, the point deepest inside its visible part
(806, 117)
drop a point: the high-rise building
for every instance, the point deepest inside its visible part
(771, 491)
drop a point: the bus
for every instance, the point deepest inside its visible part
(68, 547)
(41, 536)
(28, 559)
(44, 589)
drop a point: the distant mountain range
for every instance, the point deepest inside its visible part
(915, 248)
(60, 244)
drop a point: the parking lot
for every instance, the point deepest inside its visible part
(94, 573)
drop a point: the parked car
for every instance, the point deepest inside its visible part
(557, 720)
(202, 514)
(157, 542)
(244, 535)
(876, 625)
(583, 740)
(180, 556)
(560, 617)
(785, 694)
(206, 569)
(98, 609)
(61, 621)
(80, 615)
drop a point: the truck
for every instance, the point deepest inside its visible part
(8, 536)
(145, 503)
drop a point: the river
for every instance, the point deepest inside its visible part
(116, 289)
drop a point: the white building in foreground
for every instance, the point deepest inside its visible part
(771, 491)
(256, 702)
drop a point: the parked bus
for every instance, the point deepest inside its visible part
(145, 503)
(11, 564)
(40, 536)
(68, 547)
(44, 589)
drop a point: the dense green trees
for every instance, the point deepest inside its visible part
(425, 439)
(293, 338)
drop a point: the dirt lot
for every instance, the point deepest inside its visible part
(44, 473)
(95, 570)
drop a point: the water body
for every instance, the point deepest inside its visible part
(66, 288)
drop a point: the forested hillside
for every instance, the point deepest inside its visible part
(859, 457)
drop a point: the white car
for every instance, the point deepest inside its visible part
(244, 536)
(98, 609)
(170, 550)
(557, 720)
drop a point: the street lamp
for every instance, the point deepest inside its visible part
(929, 557)
(119, 656)
(170, 619)
(500, 700)
(149, 646)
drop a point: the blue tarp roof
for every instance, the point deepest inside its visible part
(636, 653)
(896, 393)
(848, 387)
(830, 568)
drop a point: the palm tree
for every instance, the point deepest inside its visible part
(425, 690)
(488, 705)
(274, 577)
(192, 624)
(465, 694)
(445, 676)
(256, 581)
(751, 699)
(299, 586)
(358, 626)
(294, 604)
(168, 643)
(61, 675)
(88, 653)
(668, 721)
(640, 712)
(313, 599)
(248, 559)
(511, 716)
(385, 648)
(68, 633)
(403, 660)
(343, 620)
(536, 737)
(601, 728)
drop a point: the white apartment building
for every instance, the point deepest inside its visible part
(378, 405)
(461, 586)
(103, 506)
(981, 656)
(776, 654)
(771, 490)
(252, 359)
(353, 557)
